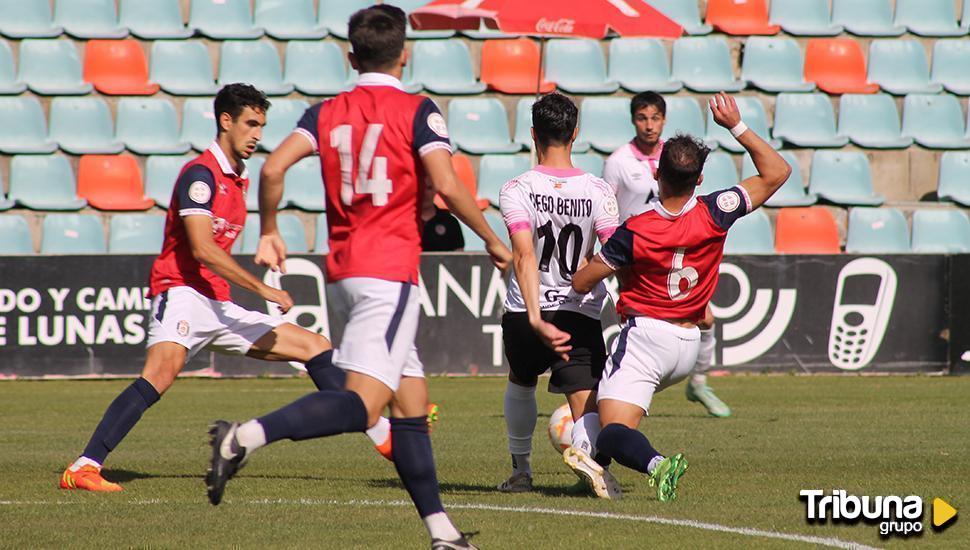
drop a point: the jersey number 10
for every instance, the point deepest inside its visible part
(569, 232)
(371, 171)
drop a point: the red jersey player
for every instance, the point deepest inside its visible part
(377, 145)
(672, 252)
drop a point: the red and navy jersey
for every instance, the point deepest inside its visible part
(206, 186)
(674, 257)
(370, 140)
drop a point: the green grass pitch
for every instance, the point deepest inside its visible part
(868, 435)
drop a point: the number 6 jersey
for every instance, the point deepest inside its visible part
(566, 210)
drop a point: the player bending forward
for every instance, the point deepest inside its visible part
(554, 213)
(672, 252)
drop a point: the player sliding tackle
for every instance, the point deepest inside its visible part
(671, 253)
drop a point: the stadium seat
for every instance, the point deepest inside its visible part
(934, 121)
(589, 162)
(954, 180)
(900, 67)
(149, 127)
(683, 117)
(44, 182)
(410, 85)
(88, 19)
(497, 224)
(686, 14)
(83, 126)
(523, 122)
(940, 232)
(806, 120)
(495, 171)
(965, 16)
(24, 129)
(837, 66)
(410, 5)
(753, 114)
(804, 17)
(52, 67)
(154, 19)
(16, 235)
(182, 67)
(117, 67)
(316, 67)
(951, 65)
(740, 17)
(871, 121)
(288, 19)
(808, 230)
(135, 234)
(604, 123)
(112, 182)
(321, 237)
(480, 126)
(161, 171)
(444, 67)
(254, 166)
(751, 235)
(334, 14)
(72, 234)
(866, 17)
(640, 64)
(27, 20)
(198, 123)
(577, 66)
(704, 65)
(792, 192)
(224, 19)
(255, 62)
(9, 82)
(843, 178)
(928, 17)
(302, 187)
(877, 231)
(291, 229)
(719, 173)
(512, 67)
(774, 65)
(281, 120)
(466, 173)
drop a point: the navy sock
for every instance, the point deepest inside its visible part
(319, 414)
(411, 449)
(627, 446)
(122, 415)
(324, 374)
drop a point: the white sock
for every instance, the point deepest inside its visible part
(380, 432)
(585, 432)
(520, 423)
(705, 357)
(654, 462)
(83, 461)
(440, 527)
(251, 435)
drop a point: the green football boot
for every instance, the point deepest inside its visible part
(666, 475)
(703, 394)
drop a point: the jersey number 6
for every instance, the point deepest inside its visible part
(681, 280)
(371, 171)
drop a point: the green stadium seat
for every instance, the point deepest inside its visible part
(954, 180)
(10, 83)
(87, 19)
(317, 68)
(291, 229)
(27, 20)
(410, 5)
(72, 234)
(444, 67)
(792, 192)
(804, 17)
(877, 231)
(751, 234)
(288, 19)
(410, 85)
(640, 64)
(683, 117)
(135, 234)
(866, 17)
(495, 221)
(495, 171)
(303, 187)
(334, 14)
(44, 182)
(254, 165)
(589, 162)
(753, 114)
(24, 129)
(843, 178)
(281, 121)
(161, 171)
(479, 126)
(900, 67)
(686, 14)
(941, 232)
(198, 122)
(774, 65)
(934, 121)
(523, 122)
(704, 65)
(965, 16)
(951, 64)
(224, 19)
(719, 173)
(182, 67)
(16, 235)
(255, 62)
(806, 120)
(321, 237)
(52, 67)
(83, 126)
(604, 123)
(154, 19)
(871, 121)
(577, 66)
(928, 17)
(149, 127)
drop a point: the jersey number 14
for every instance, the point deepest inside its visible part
(371, 171)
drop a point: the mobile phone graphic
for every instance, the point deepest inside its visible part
(305, 283)
(864, 299)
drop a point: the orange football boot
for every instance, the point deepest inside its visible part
(385, 448)
(87, 478)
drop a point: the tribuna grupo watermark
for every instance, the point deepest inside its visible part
(900, 516)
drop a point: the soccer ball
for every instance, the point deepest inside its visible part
(561, 429)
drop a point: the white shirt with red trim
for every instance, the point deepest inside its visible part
(633, 177)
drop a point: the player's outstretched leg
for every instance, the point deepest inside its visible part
(520, 423)
(697, 389)
(632, 449)
(579, 456)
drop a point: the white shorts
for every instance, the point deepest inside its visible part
(380, 326)
(184, 316)
(648, 356)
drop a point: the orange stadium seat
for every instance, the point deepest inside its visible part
(511, 66)
(112, 182)
(837, 66)
(740, 17)
(810, 230)
(466, 173)
(117, 67)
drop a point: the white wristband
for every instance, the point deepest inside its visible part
(739, 129)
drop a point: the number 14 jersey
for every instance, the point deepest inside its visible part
(566, 210)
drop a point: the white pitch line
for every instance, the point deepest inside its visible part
(693, 524)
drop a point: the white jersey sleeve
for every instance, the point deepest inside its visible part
(517, 212)
(605, 211)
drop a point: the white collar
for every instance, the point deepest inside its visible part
(379, 79)
(667, 214)
(224, 163)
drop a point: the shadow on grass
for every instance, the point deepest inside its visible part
(478, 489)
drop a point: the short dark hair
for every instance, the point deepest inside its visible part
(681, 163)
(647, 99)
(233, 98)
(377, 35)
(554, 119)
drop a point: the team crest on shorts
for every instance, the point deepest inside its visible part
(182, 328)
(200, 192)
(437, 124)
(728, 202)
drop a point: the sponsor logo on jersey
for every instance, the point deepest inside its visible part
(729, 201)
(437, 124)
(199, 192)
